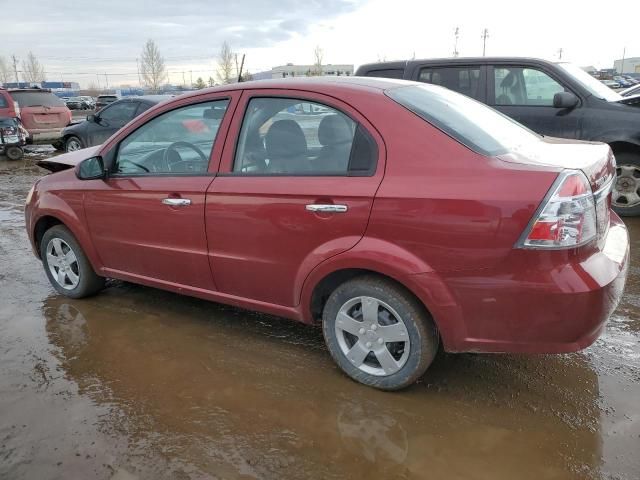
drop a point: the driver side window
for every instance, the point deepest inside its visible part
(177, 142)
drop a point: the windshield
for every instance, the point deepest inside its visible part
(593, 85)
(36, 99)
(472, 123)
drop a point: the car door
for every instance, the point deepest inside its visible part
(525, 93)
(296, 186)
(147, 218)
(111, 119)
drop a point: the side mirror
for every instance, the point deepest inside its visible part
(91, 118)
(91, 169)
(565, 100)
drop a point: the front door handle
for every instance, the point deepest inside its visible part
(329, 208)
(176, 202)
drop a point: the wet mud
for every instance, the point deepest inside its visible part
(138, 383)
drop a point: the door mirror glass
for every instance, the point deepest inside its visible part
(91, 168)
(565, 100)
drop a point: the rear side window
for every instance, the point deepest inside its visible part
(386, 73)
(470, 122)
(465, 80)
(36, 99)
(3, 102)
(285, 136)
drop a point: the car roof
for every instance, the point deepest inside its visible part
(455, 60)
(317, 84)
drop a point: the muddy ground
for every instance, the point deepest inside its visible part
(137, 383)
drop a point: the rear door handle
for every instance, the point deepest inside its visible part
(176, 202)
(329, 208)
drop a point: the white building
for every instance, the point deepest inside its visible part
(631, 65)
(291, 70)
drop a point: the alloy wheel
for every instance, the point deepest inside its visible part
(73, 145)
(372, 336)
(63, 264)
(625, 194)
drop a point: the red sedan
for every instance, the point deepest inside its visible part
(398, 215)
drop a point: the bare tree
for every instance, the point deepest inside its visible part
(225, 64)
(32, 69)
(5, 71)
(152, 66)
(318, 56)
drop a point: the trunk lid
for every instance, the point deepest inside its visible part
(595, 159)
(41, 110)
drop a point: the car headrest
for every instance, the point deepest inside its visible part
(333, 130)
(508, 81)
(285, 139)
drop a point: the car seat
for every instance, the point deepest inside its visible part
(286, 148)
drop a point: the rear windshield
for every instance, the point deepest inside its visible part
(107, 97)
(471, 123)
(36, 99)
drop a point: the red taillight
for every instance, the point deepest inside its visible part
(566, 218)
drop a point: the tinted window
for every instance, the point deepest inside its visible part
(387, 73)
(118, 114)
(36, 99)
(293, 137)
(465, 80)
(179, 141)
(524, 86)
(468, 121)
(3, 102)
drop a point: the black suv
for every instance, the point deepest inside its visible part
(554, 99)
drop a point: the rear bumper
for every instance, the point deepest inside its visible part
(45, 135)
(538, 302)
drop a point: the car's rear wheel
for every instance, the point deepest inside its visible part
(66, 264)
(378, 333)
(626, 191)
(14, 153)
(72, 144)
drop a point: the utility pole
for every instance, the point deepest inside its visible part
(98, 78)
(240, 71)
(455, 45)
(560, 53)
(191, 77)
(106, 79)
(485, 34)
(624, 50)
(184, 82)
(15, 69)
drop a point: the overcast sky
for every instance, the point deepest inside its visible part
(77, 39)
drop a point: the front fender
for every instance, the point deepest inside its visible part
(69, 211)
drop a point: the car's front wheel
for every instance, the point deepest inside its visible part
(626, 190)
(72, 144)
(66, 264)
(378, 333)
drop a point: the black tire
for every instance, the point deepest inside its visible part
(625, 159)
(59, 145)
(422, 333)
(70, 142)
(14, 153)
(88, 282)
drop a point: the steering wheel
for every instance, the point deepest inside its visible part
(172, 149)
